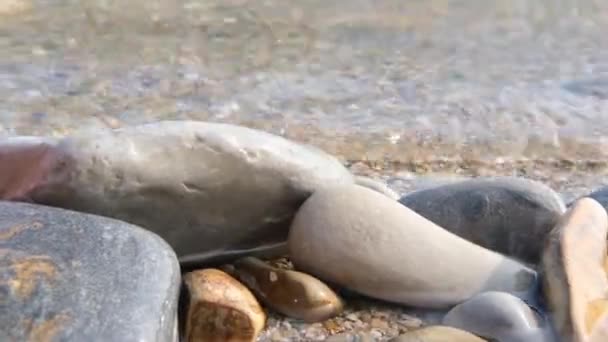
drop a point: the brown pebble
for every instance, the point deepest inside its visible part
(294, 294)
(221, 309)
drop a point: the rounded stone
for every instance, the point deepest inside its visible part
(294, 294)
(575, 282)
(354, 237)
(68, 276)
(213, 191)
(509, 215)
(497, 316)
(437, 333)
(220, 309)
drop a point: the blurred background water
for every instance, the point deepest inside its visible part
(390, 79)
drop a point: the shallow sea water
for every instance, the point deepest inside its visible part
(375, 79)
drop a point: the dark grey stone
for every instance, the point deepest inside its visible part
(68, 276)
(509, 215)
(213, 191)
(600, 195)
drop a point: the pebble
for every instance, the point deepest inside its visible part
(497, 316)
(509, 215)
(220, 309)
(214, 192)
(574, 282)
(437, 333)
(354, 237)
(293, 294)
(68, 276)
(351, 337)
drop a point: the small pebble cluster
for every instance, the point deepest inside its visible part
(195, 231)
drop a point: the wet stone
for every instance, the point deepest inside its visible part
(219, 308)
(294, 294)
(68, 276)
(509, 215)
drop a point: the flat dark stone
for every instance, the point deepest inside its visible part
(509, 215)
(68, 276)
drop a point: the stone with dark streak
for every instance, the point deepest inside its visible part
(68, 276)
(509, 215)
(214, 192)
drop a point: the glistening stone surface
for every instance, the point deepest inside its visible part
(294, 294)
(510, 215)
(67, 276)
(354, 237)
(212, 191)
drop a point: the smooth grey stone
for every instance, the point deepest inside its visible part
(354, 237)
(510, 215)
(498, 316)
(214, 192)
(68, 276)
